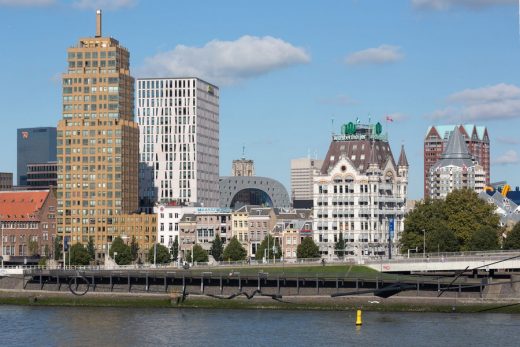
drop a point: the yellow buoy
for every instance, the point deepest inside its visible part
(358, 318)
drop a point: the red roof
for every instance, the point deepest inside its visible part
(21, 205)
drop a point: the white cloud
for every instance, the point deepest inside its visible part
(103, 4)
(509, 157)
(441, 5)
(226, 62)
(27, 3)
(501, 101)
(379, 55)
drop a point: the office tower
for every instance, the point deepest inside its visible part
(456, 169)
(98, 146)
(360, 193)
(179, 141)
(303, 171)
(34, 145)
(436, 140)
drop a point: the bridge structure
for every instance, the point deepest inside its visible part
(438, 262)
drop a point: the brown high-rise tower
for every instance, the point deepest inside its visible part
(98, 145)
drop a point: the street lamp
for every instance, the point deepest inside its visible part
(424, 243)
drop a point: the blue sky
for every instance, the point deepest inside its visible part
(287, 68)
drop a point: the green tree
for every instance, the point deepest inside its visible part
(467, 213)
(512, 241)
(42, 261)
(217, 248)
(339, 246)
(134, 248)
(484, 238)
(33, 248)
(58, 248)
(307, 249)
(91, 249)
(420, 222)
(124, 254)
(174, 249)
(234, 251)
(162, 254)
(267, 244)
(441, 239)
(78, 255)
(47, 251)
(448, 225)
(199, 254)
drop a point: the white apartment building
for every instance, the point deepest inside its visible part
(456, 169)
(303, 171)
(178, 141)
(360, 193)
(168, 218)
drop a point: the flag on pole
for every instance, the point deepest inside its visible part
(389, 119)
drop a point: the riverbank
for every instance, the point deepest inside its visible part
(367, 303)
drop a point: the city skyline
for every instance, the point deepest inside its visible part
(420, 62)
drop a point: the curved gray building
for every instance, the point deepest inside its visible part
(237, 191)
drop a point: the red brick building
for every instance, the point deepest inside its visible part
(436, 139)
(28, 220)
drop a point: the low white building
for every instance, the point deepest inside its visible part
(360, 193)
(168, 218)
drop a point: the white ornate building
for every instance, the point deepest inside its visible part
(457, 169)
(178, 141)
(360, 192)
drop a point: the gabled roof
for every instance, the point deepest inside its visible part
(21, 205)
(361, 153)
(444, 131)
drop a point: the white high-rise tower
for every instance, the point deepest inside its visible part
(178, 141)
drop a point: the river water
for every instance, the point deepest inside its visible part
(70, 326)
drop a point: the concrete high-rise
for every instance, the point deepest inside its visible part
(98, 146)
(34, 145)
(302, 174)
(436, 141)
(179, 141)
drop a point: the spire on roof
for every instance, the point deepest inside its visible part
(456, 148)
(403, 161)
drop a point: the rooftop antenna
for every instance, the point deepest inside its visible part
(243, 152)
(98, 23)
(332, 121)
(308, 153)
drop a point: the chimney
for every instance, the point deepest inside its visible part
(98, 23)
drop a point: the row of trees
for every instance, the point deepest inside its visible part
(124, 254)
(77, 254)
(234, 251)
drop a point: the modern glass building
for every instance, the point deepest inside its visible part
(34, 145)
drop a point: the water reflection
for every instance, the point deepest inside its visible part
(55, 326)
